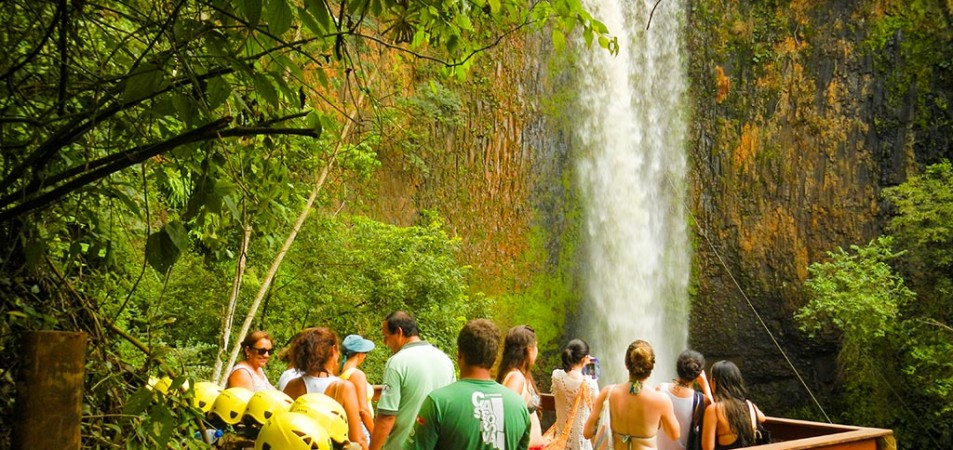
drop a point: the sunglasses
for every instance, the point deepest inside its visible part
(262, 351)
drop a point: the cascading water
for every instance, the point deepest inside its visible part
(631, 132)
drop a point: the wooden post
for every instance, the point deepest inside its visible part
(49, 402)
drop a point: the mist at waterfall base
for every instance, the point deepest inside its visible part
(630, 143)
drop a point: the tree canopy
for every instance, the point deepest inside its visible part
(150, 149)
(887, 305)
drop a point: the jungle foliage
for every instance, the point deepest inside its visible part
(156, 152)
(888, 304)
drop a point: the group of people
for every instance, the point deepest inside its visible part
(717, 416)
(423, 405)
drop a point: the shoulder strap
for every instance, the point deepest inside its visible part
(347, 373)
(695, 401)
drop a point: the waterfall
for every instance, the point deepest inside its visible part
(630, 138)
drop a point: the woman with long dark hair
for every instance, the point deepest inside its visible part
(519, 355)
(728, 421)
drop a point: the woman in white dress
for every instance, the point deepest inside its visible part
(567, 383)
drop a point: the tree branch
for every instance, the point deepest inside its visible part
(117, 162)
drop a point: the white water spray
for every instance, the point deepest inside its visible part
(631, 131)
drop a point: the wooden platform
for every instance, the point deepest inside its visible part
(792, 434)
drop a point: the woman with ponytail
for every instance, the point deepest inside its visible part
(728, 423)
(636, 414)
(569, 384)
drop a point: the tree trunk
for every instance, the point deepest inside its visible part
(229, 315)
(49, 403)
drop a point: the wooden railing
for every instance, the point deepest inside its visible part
(789, 434)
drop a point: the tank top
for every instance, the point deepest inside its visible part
(683, 413)
(259, 380)
(370, 389)
(318, 384)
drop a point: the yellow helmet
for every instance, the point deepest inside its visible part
(263, 404)
(292, 431)
(327, 411)
(160, 384)
(205, 394)
(230, 405)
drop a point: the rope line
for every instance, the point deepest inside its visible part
(744, 295)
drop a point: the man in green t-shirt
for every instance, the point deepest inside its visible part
(474, 413)
(415, 370)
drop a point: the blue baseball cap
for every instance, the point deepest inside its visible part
(354, 343)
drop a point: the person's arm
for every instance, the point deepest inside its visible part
(424, 436)
(515, 381)
(757, 411)
(702, 381)
(295, 388)
(527, 434)
(709, 427)
(359, 379)
(348, 398)
(669, 422)
(387, 407)
(383, 423)
(589, 431)
(241, 378)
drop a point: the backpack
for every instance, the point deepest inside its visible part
(695, 427)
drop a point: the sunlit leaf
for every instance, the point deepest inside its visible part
(322, 16)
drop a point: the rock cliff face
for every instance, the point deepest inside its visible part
(801, 111)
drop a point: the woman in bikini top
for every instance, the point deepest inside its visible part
(635, 414)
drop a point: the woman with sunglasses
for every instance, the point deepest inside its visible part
(249, 373)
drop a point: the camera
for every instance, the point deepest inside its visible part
(592, 369)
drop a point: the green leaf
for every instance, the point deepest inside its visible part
(164, 247)
(265, 89)
(250, 10)
(494, 6)
(279, 16)
(559, 40)
(138, 402)
(147, 80)
(309, 22)
(185, 108)
(217, 92)
(321, 14)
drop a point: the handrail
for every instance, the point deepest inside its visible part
(790, 434)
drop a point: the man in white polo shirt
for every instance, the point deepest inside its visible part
(413, 372)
